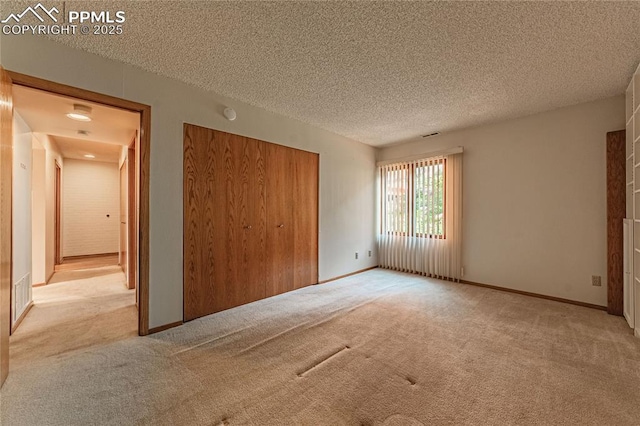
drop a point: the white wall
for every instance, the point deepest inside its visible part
(21, 210)
(52, 156)
(38, 213)
(535, 199)
(91, 205)
(347, 168)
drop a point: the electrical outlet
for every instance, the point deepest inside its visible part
(596, 280)
(369, 253)
(356, 255)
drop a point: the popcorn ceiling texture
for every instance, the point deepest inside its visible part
(382, 72)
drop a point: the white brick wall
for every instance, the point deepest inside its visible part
(91, 192)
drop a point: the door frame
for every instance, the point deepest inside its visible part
(6, 182)
(123, 237)
(143, 196)
(132, 203)
(58, 217)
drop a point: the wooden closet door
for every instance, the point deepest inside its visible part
(251, 202)
(224, 221)
(305, 218)
(238, 221)
(280, 228)
(202, 263)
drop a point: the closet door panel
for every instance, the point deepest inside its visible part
(243, 177)
(250, 220)
(199, 198)
(233, 175)
(305, 220)
(254, 243)
(280, 202)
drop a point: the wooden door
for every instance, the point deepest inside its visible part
(224, 221)
(6, 147)
(305, 218)
(245, 222)
(200, 212)
(123, 219)
(280, 201)
(616, 210)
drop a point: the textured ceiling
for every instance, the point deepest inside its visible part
(109, 129)
(383, 72)
(78, 148)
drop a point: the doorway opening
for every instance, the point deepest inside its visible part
(74, 197)
(65, 170)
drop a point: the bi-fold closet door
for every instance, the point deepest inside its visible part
(250, 220)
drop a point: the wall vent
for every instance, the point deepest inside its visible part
(21, 296)
(431, 134)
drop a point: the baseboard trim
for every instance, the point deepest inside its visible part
(85, 256)
(539, 296)
(24, 314)
(636, 332)
(347, 275)
(38, 285)
(50, 275)
(165, 327)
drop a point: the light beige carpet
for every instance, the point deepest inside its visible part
(378, 348)
(77, 309)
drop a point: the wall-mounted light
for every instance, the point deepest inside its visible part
(89, 156)
(230, 113)
(80, 112)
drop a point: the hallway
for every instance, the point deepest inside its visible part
(85, 304)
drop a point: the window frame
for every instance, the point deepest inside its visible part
(411, 200)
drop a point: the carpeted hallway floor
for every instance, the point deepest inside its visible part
(79, 308)
(378, 348)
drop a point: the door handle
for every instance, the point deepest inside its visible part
(247, 227)
(281, 225)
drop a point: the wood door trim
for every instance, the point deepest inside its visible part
(75, 92)
(616, 211)
(318, 221)
(6, 155)
(145, 165)
(132, 250)
(58, 216)
(123, 259)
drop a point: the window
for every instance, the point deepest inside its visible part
(413, 198)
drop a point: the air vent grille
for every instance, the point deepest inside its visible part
(431, 134)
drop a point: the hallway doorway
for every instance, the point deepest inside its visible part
(15, 305)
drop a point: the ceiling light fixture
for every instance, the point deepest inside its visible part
(89, 156)
(80, 112)
(230, 113)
